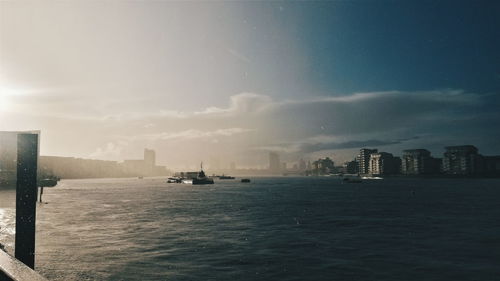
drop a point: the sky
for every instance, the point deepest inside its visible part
(228, 82)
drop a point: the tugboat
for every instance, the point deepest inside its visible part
(200, 179)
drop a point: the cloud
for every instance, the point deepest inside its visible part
(239, 55)
(331, 110)
(190, 134)
(112, 151)
(252, 124)
(244, 103)
(390, 119)
(308, 147)
(374, 112)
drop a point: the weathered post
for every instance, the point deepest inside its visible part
(26, 197)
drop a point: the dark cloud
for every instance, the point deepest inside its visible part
(308, 148)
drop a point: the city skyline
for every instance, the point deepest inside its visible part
(232, 81)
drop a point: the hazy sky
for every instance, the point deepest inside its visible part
(230, 81)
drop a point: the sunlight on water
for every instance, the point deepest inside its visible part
(7, 227)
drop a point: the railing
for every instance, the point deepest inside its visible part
(13, 269)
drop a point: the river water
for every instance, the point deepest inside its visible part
(271, 229)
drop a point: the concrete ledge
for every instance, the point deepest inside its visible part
(12, 269)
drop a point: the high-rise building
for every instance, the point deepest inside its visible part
(492, 165)
(419, 162)
(323, 166)
(461, 160)
(274, 162)
(364, 160)
(351, 167)
(150, 156)
(144, 167)
(383, 163)
(149, 160)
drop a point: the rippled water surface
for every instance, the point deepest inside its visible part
(271, 229)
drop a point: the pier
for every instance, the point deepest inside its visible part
(21, 266)
(13, 269)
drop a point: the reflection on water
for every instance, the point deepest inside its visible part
(270, 229)
(7, 219)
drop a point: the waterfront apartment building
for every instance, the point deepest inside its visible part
(491, 165)
(419, 162)
(461, 160)
(351, 167)
(383, 163)
(323, 166)
(149, 159)
(144, 167)
(364, 160)
(77, 168)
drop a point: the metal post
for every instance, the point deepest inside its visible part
(26, 197)
(41, 193)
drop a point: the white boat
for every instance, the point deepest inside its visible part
(174, 180)
(351, 178)
(372, 178)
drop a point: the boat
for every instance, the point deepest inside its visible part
(372, 178)
(223, 177)
(201, 178)
(245, 180)
(351, 179)
(174, 180)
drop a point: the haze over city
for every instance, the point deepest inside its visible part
(232, 81)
